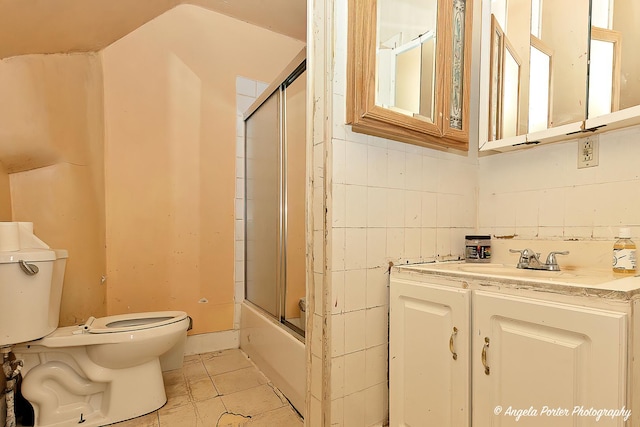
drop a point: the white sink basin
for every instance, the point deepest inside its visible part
(505, 270)
(583, 277)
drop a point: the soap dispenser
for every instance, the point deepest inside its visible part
(624, 253)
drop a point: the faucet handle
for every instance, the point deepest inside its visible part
(551, 258)
(528, 257)
(521, 261)
(526, 253)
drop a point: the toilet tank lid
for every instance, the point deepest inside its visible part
(27, 255)
(61, 253)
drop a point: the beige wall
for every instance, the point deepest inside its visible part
(170, 159)
(52, 143)
(170, 162)
(5, 195)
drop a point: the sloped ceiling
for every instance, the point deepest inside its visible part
(57, 26)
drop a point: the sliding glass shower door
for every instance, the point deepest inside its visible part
(275, 193)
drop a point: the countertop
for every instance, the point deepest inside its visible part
(578, 281)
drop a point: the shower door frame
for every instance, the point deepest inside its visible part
(282, 234)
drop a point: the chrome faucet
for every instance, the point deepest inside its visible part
(531, 260)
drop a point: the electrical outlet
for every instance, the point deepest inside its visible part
(588, 151)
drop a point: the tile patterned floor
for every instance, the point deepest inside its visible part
(220, 389)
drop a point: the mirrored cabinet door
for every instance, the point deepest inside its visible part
(564, 30)
(614, 80)
(505, 86)
(408, 70)
(576, 63)
(538, 65)
(406, 76)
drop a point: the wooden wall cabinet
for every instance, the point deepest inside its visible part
(442, 121)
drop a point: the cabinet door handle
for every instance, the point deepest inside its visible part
(451, 349)
(487, 371)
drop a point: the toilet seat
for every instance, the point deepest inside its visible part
(141, 326)
(132, 321)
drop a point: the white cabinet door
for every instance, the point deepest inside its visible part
(541, 354)
(429, 385)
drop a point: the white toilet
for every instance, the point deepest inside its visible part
(104, 371)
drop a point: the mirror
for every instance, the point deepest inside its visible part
(504, 110)
(541, 67)
(495, 82)
(569, 72)
(604, 72)
(614, 83)
(564, 30)
(538, 65)
(510, 92)
(406, 43)
(408, 70)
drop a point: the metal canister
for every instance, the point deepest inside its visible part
(477, 248)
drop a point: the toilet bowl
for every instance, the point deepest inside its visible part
(104, 371)
(122, 341)
(101, 372)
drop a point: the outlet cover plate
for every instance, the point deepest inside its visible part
(588, 151)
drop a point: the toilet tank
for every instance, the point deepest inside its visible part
(25, 298)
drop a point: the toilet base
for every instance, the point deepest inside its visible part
(99, 374)
(61, 395)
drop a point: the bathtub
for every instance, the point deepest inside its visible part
(276, 351)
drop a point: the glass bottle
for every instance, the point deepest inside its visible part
(624, 253)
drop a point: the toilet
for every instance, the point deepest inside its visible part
(104, 371)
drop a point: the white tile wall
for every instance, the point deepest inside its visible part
(388, 202)
(376, 404)
(393, 202)
(316, 377)
(247, 91)
(540, 193)
(354, 409)
(355, 295)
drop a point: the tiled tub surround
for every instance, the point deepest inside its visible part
(219, 389)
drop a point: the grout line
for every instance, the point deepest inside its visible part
(254, 369)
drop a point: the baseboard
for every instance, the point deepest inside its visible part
(212, 341)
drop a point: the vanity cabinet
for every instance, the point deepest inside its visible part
(533, 353)
(513, 352)
(429, 355)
